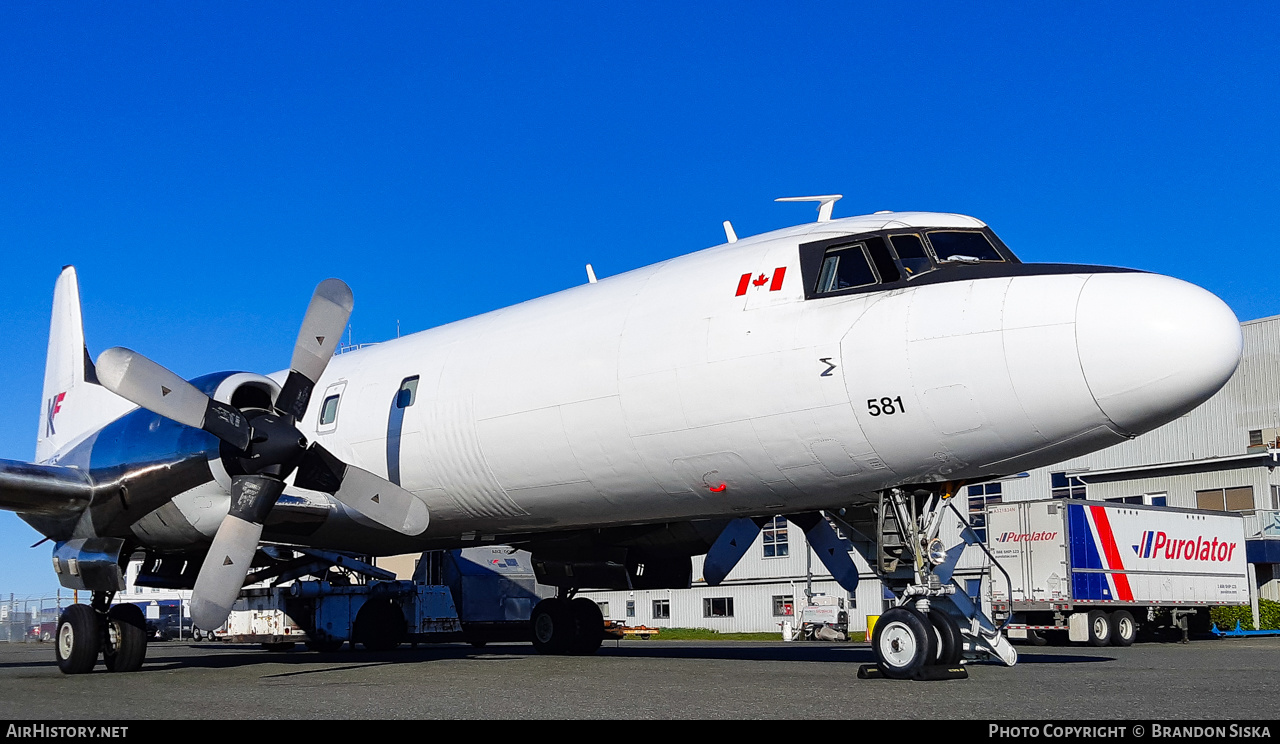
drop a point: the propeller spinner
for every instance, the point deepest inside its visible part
(262, 448)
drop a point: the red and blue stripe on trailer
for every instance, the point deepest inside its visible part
(1096, 561)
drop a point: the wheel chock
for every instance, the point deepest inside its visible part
(870, 671)
(926, 674)
(932, 673)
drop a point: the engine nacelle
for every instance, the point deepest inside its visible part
(91, 563)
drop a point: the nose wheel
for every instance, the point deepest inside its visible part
(903, 642)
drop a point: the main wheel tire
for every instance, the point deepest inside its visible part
(1099, 628)
(126, 642)
(903, 643)
(78, 640)
(380, 626)
(588, 627)
(1124, 629)
(552, 626)
(950, 642)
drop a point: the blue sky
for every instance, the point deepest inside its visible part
(204, 166)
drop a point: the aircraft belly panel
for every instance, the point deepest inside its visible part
(874, 358)
(651, 403)
(967, 396)
(529, 449)
(597, 435)
(453, 451)
(1048, 380)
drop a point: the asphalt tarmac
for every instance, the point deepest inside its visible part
(1231, 679)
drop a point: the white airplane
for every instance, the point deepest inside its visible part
(859, 369)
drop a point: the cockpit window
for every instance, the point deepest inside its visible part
(956, 245)
(911, 254)
(845, 267)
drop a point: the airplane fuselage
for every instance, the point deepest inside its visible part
(714, 385)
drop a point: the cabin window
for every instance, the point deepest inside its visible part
(963, 246)
(911, 254)
(408, 392)
(845, 267)
(329, 410)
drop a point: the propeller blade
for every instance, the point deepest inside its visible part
(829, 548)
(140, 380)
(227, 563)
(729, 548)
(321, 330)
(373, 496)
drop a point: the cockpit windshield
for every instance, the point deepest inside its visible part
(911, 254)
(962, 245)
(894, 256)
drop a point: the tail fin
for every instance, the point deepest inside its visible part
(73, 403)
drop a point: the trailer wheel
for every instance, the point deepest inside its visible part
(903, 643)
(947, 632)
(79, 639)
(126, 645)
(1124, 629)
(379, 625)
(553, 626)
(1099, 628)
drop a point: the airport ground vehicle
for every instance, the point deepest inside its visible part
(1100, 572)
(476, 595)
(824, 619)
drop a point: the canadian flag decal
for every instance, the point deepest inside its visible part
(752, 280)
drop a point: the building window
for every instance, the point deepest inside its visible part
(661, 609)
(775, 538)
(1063, 486)
(979, 498)
(631, 608)
(1275, 497)
(717, 607)
(604, 608)
(1226, 499)
(1149, 499)
(783, 606)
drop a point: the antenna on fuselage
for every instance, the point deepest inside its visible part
(591, 275)
(729, 234)
(825, 203)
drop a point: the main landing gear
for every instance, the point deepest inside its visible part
(118, 633)
(563, 626)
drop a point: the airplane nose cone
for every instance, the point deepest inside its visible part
(1153, 347)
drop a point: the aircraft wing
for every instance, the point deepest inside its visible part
(51, 490)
